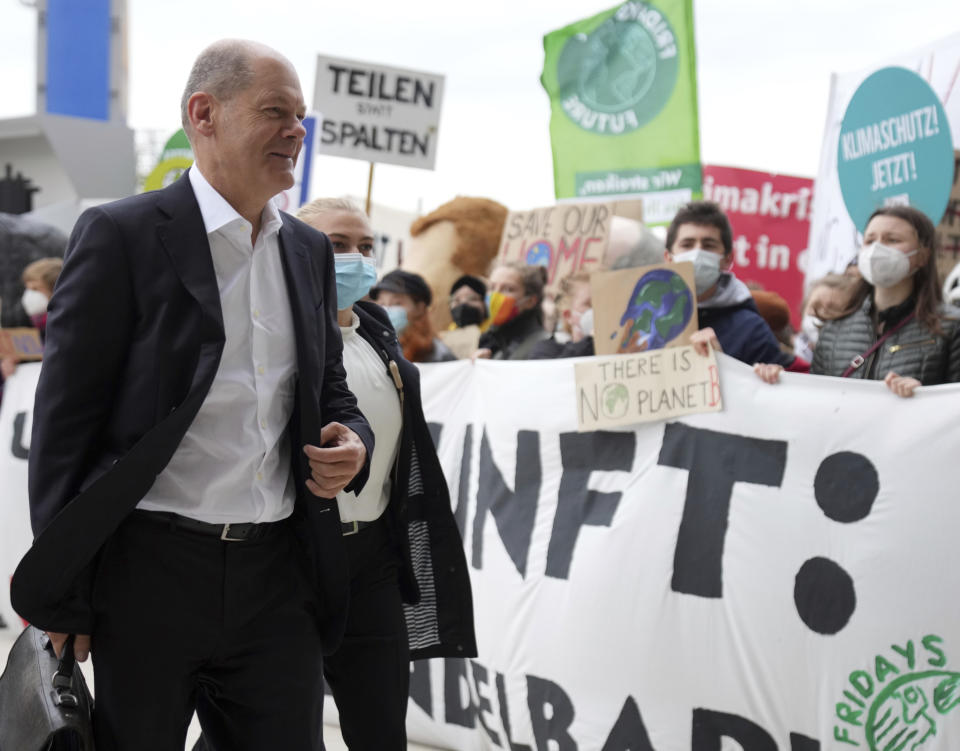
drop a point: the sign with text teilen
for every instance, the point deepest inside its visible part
(378, 113)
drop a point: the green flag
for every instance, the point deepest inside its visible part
(623, 95)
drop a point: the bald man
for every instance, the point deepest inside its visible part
(191, 430)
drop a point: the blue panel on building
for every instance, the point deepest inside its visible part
(78, 58)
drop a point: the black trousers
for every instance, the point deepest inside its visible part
(187, 622)
(369, 674)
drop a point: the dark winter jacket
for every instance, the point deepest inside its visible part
(434, 580)
(913, 350)
(551, 349)
(515, 339)
(741, 331)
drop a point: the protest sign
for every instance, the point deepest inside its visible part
(378, 113)
(623, 96)
(895, 147)
(565, 238)
(834, 237)
(645, 386)
(21, 344)
(643, 308)
(462, 341)
(770, 218)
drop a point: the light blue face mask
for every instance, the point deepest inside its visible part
(355, 276)
(398, 317)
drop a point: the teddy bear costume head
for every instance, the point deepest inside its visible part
(460, 237)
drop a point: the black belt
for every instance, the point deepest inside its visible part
(351, 528)
(240, 532)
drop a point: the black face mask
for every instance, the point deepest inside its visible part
(466, 315)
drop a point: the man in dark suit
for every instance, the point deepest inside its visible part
(192, 422)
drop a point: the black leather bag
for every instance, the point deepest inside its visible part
(44, 702)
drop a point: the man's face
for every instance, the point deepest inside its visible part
(259, 132)
(697, 236)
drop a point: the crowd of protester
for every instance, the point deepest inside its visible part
(887, 295)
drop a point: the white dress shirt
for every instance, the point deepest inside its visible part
(378, 400)
(233, 464)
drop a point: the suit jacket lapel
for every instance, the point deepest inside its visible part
(184, 237)
(303, 307)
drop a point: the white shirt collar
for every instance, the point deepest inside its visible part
(217, 213)
(347, 331)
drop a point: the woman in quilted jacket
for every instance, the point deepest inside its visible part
(895, 327)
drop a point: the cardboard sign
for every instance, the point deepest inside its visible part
(645, 308)
(645, 387)
(463, 342)
(378, 113)
(566, 238)
(21, 344)
(770, 216)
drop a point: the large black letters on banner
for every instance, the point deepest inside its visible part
(463, 492)
(803, 743)
(456, 711)
(715, 461)
(420, 690)
(17, 448)
(540, 694)
(582, 454)
(710, 728)
(505, 715)
(514, 512)
(481, 681)
(629, 732)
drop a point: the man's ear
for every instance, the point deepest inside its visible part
(667, 256)
(726, 262)
(200, 110)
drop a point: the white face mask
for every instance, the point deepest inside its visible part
(884, 266)
(586, 322)
(706, 267)
(34, 302)
(810, 326)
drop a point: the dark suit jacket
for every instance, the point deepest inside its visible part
(134, 338)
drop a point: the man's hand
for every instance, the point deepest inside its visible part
(81, 645)
(337, 463)
(704, 340)
(903, 386)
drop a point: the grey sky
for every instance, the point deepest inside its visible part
(764, 71)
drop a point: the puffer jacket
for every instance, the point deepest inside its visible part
(913, 350)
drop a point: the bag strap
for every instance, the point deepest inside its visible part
(859, 360)
(62, 681)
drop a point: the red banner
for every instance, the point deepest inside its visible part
(770, 215)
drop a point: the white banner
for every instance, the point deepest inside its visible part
(833, 236)
(378, 113)
(779, 576)
(782, 575)
(16, 421)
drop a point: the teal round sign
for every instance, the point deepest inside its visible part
(895, 147)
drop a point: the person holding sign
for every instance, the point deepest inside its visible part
(729, 320)
(894, 326)
(399, 532)
(514, 301)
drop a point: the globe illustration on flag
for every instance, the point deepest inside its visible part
(659, 309)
